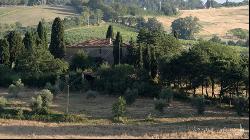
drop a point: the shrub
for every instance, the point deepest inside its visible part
(91, 94)
(7, 76)
(149, 118)
(159, 105)
(119, 108)
(130, 96)
(167, 94)
(115, 80)
(36, 104)
(199, 103)
(16, 88)
(240, 33)
(40, 104)
(241, 105)
(3, 102)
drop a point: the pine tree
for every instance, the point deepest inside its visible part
(117, 51)
(16, 46)
(110, 32)
(4, 52)
(29, 41)
(42, 34)
(57, 45)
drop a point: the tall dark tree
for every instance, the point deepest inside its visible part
(110, 32)
(154, 64)
(4, 52)
(147, 58)
(117, 51)
(140, 57)
(42, 34)
(131, 53)
(57, 45)
(16, 46)
(29, 40)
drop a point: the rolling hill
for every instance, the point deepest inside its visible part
(214, 21)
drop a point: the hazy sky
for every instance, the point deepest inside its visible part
(222, 1)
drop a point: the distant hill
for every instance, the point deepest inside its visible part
(31, 15)
(214, 21)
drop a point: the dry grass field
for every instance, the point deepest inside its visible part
(32, 15)
(214, 21)
(178, 121)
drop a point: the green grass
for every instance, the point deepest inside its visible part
(81, 34)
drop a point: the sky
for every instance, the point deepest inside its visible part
(222, 1)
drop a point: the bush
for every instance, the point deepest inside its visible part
(159, 105)
(240, 33)
(3, 102)
(199, 103)
(91, 94)
(16, 88)
(41, 103)
(36, 104)
(119, 108)
(47, 98)
(149, 118)
(115, 80)
(7, 76)
(130, 96)
(241, 105)
(167, 94)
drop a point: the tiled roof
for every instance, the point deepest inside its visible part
(95, 43)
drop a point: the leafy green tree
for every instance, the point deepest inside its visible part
(99, 15)
(40, 62)
(42, 33)
(15, 45)
(216, 39)
(86, 14)
(57, 45)
(154, 25)
(186, 27)
(117, 51)
(110, 32)
(4, 52)
(80, 61)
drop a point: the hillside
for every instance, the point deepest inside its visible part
(32, 15)
(80, 34)
(215, 21)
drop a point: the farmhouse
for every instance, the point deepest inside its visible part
(96, 48)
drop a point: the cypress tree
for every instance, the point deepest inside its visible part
(42, 34)
(4, 52)
(117, 50)
(154, 64)
(57, 45)
(147, 58)
(29, 41)
(140, 55)
(110, 32)
(16, 46)
(131, 53)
